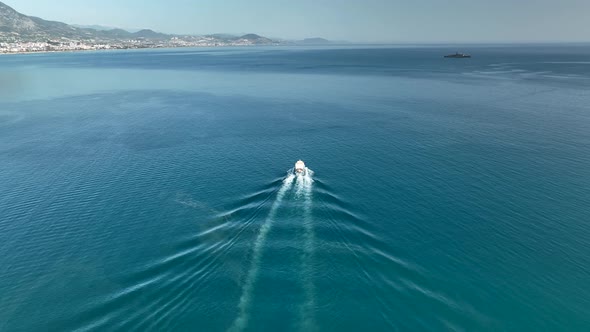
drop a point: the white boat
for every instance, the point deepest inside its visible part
(299, 167)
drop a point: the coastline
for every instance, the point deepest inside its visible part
(2, 53)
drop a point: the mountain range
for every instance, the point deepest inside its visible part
(15, 26)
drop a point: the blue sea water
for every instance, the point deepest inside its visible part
(149, 190)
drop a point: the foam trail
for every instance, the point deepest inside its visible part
(304, 191)
(244, 305)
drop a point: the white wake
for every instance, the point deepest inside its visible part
(245, 300)
(303, 191)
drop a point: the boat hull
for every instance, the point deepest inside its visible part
(458, 56)
(300, 167)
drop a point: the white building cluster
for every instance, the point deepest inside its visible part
(64, 45)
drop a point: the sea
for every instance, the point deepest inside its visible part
(153, 190)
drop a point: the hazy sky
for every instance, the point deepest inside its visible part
(353, 20)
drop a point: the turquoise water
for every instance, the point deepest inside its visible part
(149, 190)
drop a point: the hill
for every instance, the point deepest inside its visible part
(19, 28)
(14, 25)
(315, 41)
(255, 39)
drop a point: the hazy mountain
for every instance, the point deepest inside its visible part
(94, 27)
(222, 35)
(99, 27)
(315, 41)
(17, 26)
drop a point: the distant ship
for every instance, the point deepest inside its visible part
(458, 55)
(300, 167)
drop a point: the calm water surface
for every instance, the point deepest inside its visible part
(149, 190)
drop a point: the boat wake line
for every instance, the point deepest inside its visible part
(303, 189)
(245, 300)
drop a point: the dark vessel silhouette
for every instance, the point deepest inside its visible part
(458, 55)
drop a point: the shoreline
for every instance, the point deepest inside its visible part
(3, 53)
(131, 49)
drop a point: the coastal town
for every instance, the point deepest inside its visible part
(20, 33)
(14, 45)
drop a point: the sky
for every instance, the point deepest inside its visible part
(396, 21)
